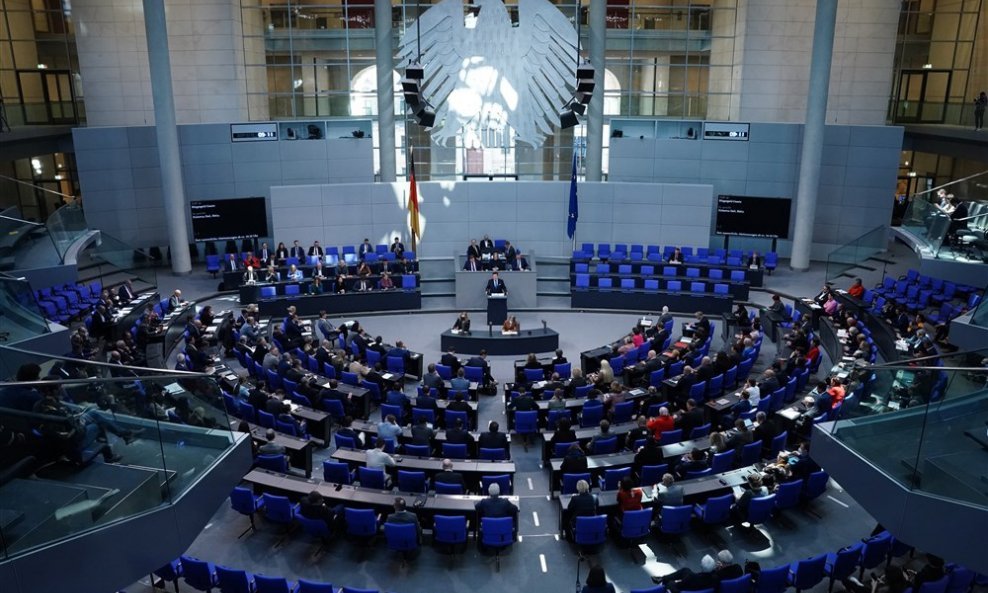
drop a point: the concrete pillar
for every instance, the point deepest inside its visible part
(172, 187)
(385, 61)
(595, 111)
(813, 131)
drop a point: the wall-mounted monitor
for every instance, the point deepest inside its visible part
(750, 216)
(234, 218)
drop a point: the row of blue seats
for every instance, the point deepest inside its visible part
(63, 303)
(635, 252)
(331, 258)
(409, 282)
(586, 282)
(205, 576)
(604, 269)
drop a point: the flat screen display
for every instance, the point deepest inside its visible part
(234, 218)
(750, 216)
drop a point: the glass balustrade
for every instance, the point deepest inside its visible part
(20, 316)
(925, 425)
(91, 444)
(855, 252)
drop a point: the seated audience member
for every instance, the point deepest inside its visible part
(692, 462)
(676, 257)
(685, 579)
(582, 504)
(316, 250)
(313, 506)
(667, 493)
(402, 515)
(462, 323)
(497, 507)
(472, 265)
(281, 253)
(755, 490)
(294, 274)
(661, 423)
(856, 289)
(450, 477)
(385, 283)
(521, 263)
(493, 439)
(510, 325)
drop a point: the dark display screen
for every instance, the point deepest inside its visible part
(236, 218)
(749, 216)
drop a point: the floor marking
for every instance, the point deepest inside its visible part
(530, 485)
(535, 518)
(845, 505)
(542, 562)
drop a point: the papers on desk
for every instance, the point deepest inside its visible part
(901, 345)
(842, 333)
(789, 413)
(645, 322)
(174, 389)
(723, 401)
(812, 304)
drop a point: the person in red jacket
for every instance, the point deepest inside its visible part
(661, 423)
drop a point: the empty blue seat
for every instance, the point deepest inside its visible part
(674, 286)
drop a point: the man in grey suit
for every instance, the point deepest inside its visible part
(271, 447)
(403, 515)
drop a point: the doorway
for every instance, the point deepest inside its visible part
(47, 97)
(922, 96)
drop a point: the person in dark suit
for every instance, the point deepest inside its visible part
(496, 286)
(481, 362)
(492, 439)
(583, 504)
(313, 506)
(449, 359)
(510, 255)
(576, 381)
(426, 401)
(462, 323)
(297, 251)
(521, 263)
(422, 433)
(264, 254)
(126, 292)
(575, 461)
(495, 506)
(402, 515)
(365, 248)
(397, 248)
(281, 253)
(458, 435)
(472, 264)
(316, 249)
(448, 476)
(766, 429)
(564, 433)
(231, 264)
(432, 380)
(486, 245)
(458, 405)
(473, 250)
(754, 260)
(690, 418)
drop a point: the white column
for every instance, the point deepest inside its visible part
(813, 131)
(595, 111)
(166, 130)
(384, 59)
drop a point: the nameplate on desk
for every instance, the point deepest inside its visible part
(497, 295)
(504, 333)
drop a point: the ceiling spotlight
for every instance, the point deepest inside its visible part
(567, 118)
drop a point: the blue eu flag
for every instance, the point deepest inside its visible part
(574, 209)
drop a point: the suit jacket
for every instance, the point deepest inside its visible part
(496, 507)
(458, 436)
(231, 265)
(492, 440)
(473, 250)
(582, 505)
(364, 249)
(449, 477)
(397, 248)
(426, 402)
(474, 266)
(271, 449)
(450, 360)
(431, 380)
(499, 288)
(316, 251)
(298, 252)
(125, 293)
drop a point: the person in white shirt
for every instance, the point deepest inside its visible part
(376, 457)
(250, 276)
(754, 393)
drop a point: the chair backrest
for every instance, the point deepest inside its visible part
(592, 415)
(636, 524)
(451, 416)
(652, 474)
(455, 450)
(533, 375)
(344, 441)
(526, 421)
(722, 462)
(410, 481)
(570, 480)
(274, 463)
(360, 522)
(875, 549)
(271, 584)
(417, 450)
(845, 562)
(676, 519)
(717, 509)
(605, 446)
(474, 374)
(198, 574)
(773, 580)
(671, 436)
(760, 509)
(242, 500)
(497, 454)
(742, 584)
(401, 536)
(809, 572)
(502, 480)
(336, 472)
(449, 529)
(278, 509)
(497, 532)
(751, 453)
(370, 477)
(590, 530)
(612, 477)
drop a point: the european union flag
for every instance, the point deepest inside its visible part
(574, 209)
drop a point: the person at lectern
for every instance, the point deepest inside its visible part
(496, 286)
(462, 323)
